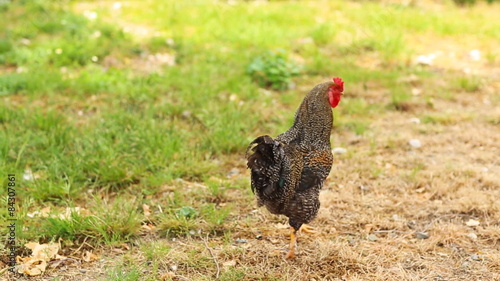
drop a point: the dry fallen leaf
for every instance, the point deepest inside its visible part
(229, 263)
(33, 267)
(167, 276)
(43, 251)
(89, 256)
(146, 210)
(148, 227)
(42, 213)
(36, 264)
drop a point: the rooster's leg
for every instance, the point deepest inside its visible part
(293, 244)
(307, 229)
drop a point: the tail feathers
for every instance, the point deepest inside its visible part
(265, 157)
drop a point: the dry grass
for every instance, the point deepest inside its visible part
(381, 187)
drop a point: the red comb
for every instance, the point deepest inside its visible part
(339, 84)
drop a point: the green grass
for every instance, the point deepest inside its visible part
(82, 110)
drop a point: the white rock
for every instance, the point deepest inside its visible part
(415, 120)
(472, 236)
(415, 143)
(28, 175)
(425, 59)
(21, 69)
(364, 188)
(472, 222)
(339, 150)
(229, 263)
(170, 42)
(416, 91)
(25, 41)
(475, 55)
(233, 172)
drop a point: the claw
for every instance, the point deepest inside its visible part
(307, 229)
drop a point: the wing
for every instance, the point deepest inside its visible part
(317, 166)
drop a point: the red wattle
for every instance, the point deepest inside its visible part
(333, 98)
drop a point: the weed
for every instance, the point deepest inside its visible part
(468, 84)
(125, 273)
(186, 212)
(273, 69)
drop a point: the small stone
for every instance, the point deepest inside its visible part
(411, 224)
(173, 267)
(364, 188)
(472, 222)
(414, 120)
(476, 257)
(170, 42)
(425, 59)
(421, 235)
(339, 150)
(475, 55)
(416, 91)
(465, 264)
(415, 143)
(372, 237)
(233, 97)
(229, 263)
(25, 41)
(241, 240)
(258, 237)
(28, 175)
(472, 236)
(233, 172)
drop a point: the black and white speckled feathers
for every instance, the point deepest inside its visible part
(288, 172)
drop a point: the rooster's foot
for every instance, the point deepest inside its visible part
(307, 229)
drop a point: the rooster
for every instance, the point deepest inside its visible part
(287, 172)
